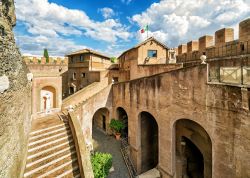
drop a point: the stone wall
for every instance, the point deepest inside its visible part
(222, 46)
(15, 99)
(185, 94)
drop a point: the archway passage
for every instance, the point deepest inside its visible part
(100, 119)
(194, 159)
(149, 141)
(193, 150)
(122, 116)
(47, 98)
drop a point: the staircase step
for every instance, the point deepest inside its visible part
(48, 158)
(50, 165)
(70, 170)
(35, 132)
(39, 124)
(41, 154)
(48, 139)
(56, 142)
(46, 134)
(51, 149)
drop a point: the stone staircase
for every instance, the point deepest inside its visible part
(51, 149)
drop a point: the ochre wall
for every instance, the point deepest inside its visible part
(38, 84)
(162, 53)
(184, 94)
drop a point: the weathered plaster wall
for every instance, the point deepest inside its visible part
(38, 84)
(162, 53)
(86, 110)
(138, 71)
(15, 101)
(184, 94)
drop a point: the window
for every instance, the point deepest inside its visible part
(74, 76)
(115, 79)
(71, 90)
(83, 75)
(81, 58)
(152, 53)
(242, 47)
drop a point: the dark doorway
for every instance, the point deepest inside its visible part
(122, 116)
(149, 141)
(194, 159)
(71, 90)
(193, 150)
(100, 119)
(104, 122)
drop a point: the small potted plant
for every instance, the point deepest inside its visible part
(116, 126)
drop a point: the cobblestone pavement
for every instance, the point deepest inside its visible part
(109, 144)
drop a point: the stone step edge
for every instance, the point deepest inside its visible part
(49, 156)
(48, 133)
(58, 168)
(48, 164)
(66, 138)
(48, 138)
(45, 129)
(48, 150)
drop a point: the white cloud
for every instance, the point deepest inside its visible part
(56, 46)
(107, 12)
(180, 21)
(55, 22)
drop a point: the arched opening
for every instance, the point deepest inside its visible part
(100, 119)
(122, 116)
(149, 141)
(193, 150)
(47, 98)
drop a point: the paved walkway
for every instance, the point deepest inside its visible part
(109, 144)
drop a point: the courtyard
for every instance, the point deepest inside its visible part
(108, 144)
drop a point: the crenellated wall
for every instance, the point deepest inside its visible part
(42, 60)
(53, 74)
(221, 45)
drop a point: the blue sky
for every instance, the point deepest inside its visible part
(112, 26)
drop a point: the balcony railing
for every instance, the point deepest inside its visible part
(238, 75)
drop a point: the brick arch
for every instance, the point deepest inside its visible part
(56, 103)
(122, 115)
(101, 119)
(188, 130)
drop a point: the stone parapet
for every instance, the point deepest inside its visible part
(41, 60)
(244, 30)
(223, 46)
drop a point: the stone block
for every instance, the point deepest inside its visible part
(182, 49)
(223, 36)
(192, 46)
(205, 42)
(244, 30)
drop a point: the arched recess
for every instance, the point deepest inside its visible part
(48, 98)
(100, 119)
(122, 116)
(149, 133)
(193, 148)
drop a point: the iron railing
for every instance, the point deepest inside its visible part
(126, 157)
(238, 75)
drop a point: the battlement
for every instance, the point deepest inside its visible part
(31, 60)
(222, 44)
